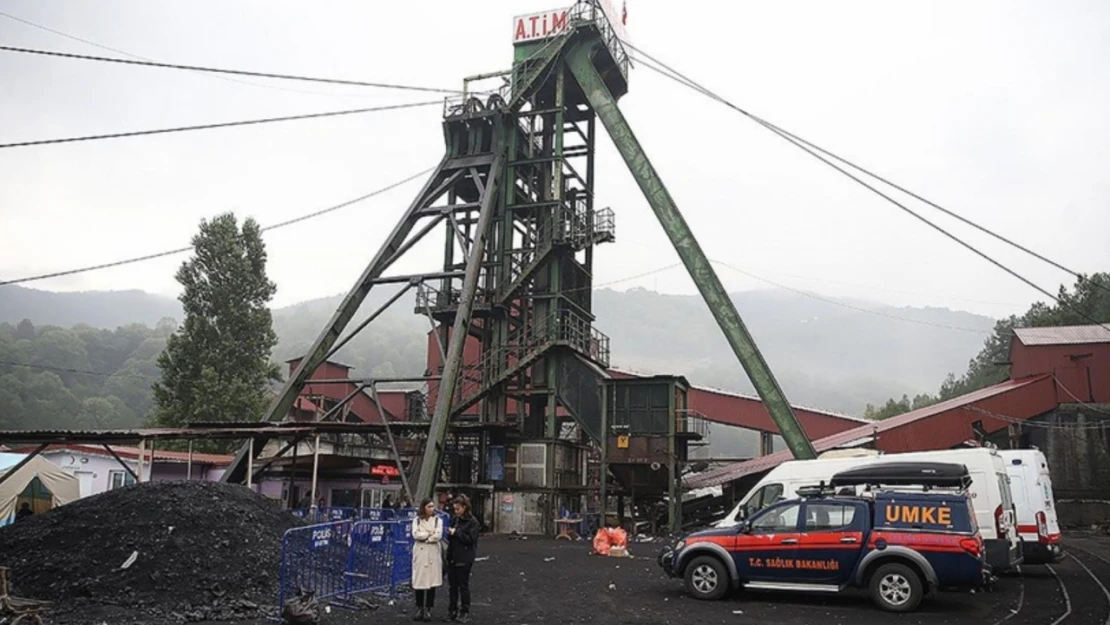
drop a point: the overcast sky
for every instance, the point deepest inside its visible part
(998, 110)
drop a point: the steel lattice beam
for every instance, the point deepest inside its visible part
(581, 63)
(437, 431)
(451, 170)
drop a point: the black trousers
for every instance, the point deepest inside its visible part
(425, 598)
(458, 579)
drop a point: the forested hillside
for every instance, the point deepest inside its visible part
(80, 377)
(826, 356)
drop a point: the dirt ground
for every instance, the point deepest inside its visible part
(543, 581)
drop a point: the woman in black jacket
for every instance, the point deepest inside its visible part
(462, 545)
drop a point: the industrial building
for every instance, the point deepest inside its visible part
(1057, 398)
(523, 409)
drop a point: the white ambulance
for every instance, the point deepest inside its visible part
(990, 491)
(1031, 486)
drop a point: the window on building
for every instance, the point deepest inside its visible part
(119, 479)
(343, 498)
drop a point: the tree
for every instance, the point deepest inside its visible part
(216, 365)
(1088, 302)
(25, 330)
(105, 412)
(889, 409)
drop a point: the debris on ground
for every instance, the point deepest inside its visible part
(610, 541)
(220, 562)
(301, 610)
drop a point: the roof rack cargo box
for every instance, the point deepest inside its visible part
(932, 474)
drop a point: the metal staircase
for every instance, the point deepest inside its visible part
(524, 348)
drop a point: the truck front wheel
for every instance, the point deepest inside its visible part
(707, 578)
(896, 588)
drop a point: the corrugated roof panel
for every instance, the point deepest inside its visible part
(1063, 335)
(763, 463)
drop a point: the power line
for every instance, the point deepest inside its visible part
(848, 306)
(80, 371)
(143, 58)
(797, 142)
(811, 278)
(788, 288)
(248, 122)
(236, 72)
(678, 76)
(1076, 397)
(336, 207)
(875, 287)
(639, 275)
(1037, 424)
(181, 250)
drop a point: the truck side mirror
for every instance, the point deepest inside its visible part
(744, 528)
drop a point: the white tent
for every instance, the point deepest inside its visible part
(40, 483)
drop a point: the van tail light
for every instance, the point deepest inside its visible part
(1042, 527)
(998, 512)
(973, 546)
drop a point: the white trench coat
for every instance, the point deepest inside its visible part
(427, 558)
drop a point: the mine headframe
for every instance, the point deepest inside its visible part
(515, 190)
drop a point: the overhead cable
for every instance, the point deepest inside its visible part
(143, 58)
(678, 77)
(181, 250)
(846, 305)
(104, 374)
(808, 294)
(664, 69)
(236, 72)
(249, 122)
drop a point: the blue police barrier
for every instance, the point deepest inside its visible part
(446, 518)
(375, 514)
(370, 560)
(338, 559)
(314, 558)
(401, 575)
(342, 513)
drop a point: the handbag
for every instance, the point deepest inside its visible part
(443, 545)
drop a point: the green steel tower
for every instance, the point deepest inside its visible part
(516, 192)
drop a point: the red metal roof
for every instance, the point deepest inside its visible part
(1063, 335)
(1037, 396)
(748, 411)
(302, 403)
(745, 396)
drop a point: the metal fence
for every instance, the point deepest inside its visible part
(339, 513)
(371, 557)
(339, 559)
(314, 558)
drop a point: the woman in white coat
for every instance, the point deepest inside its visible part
(427, 559)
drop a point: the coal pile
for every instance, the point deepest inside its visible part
(160, 552)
